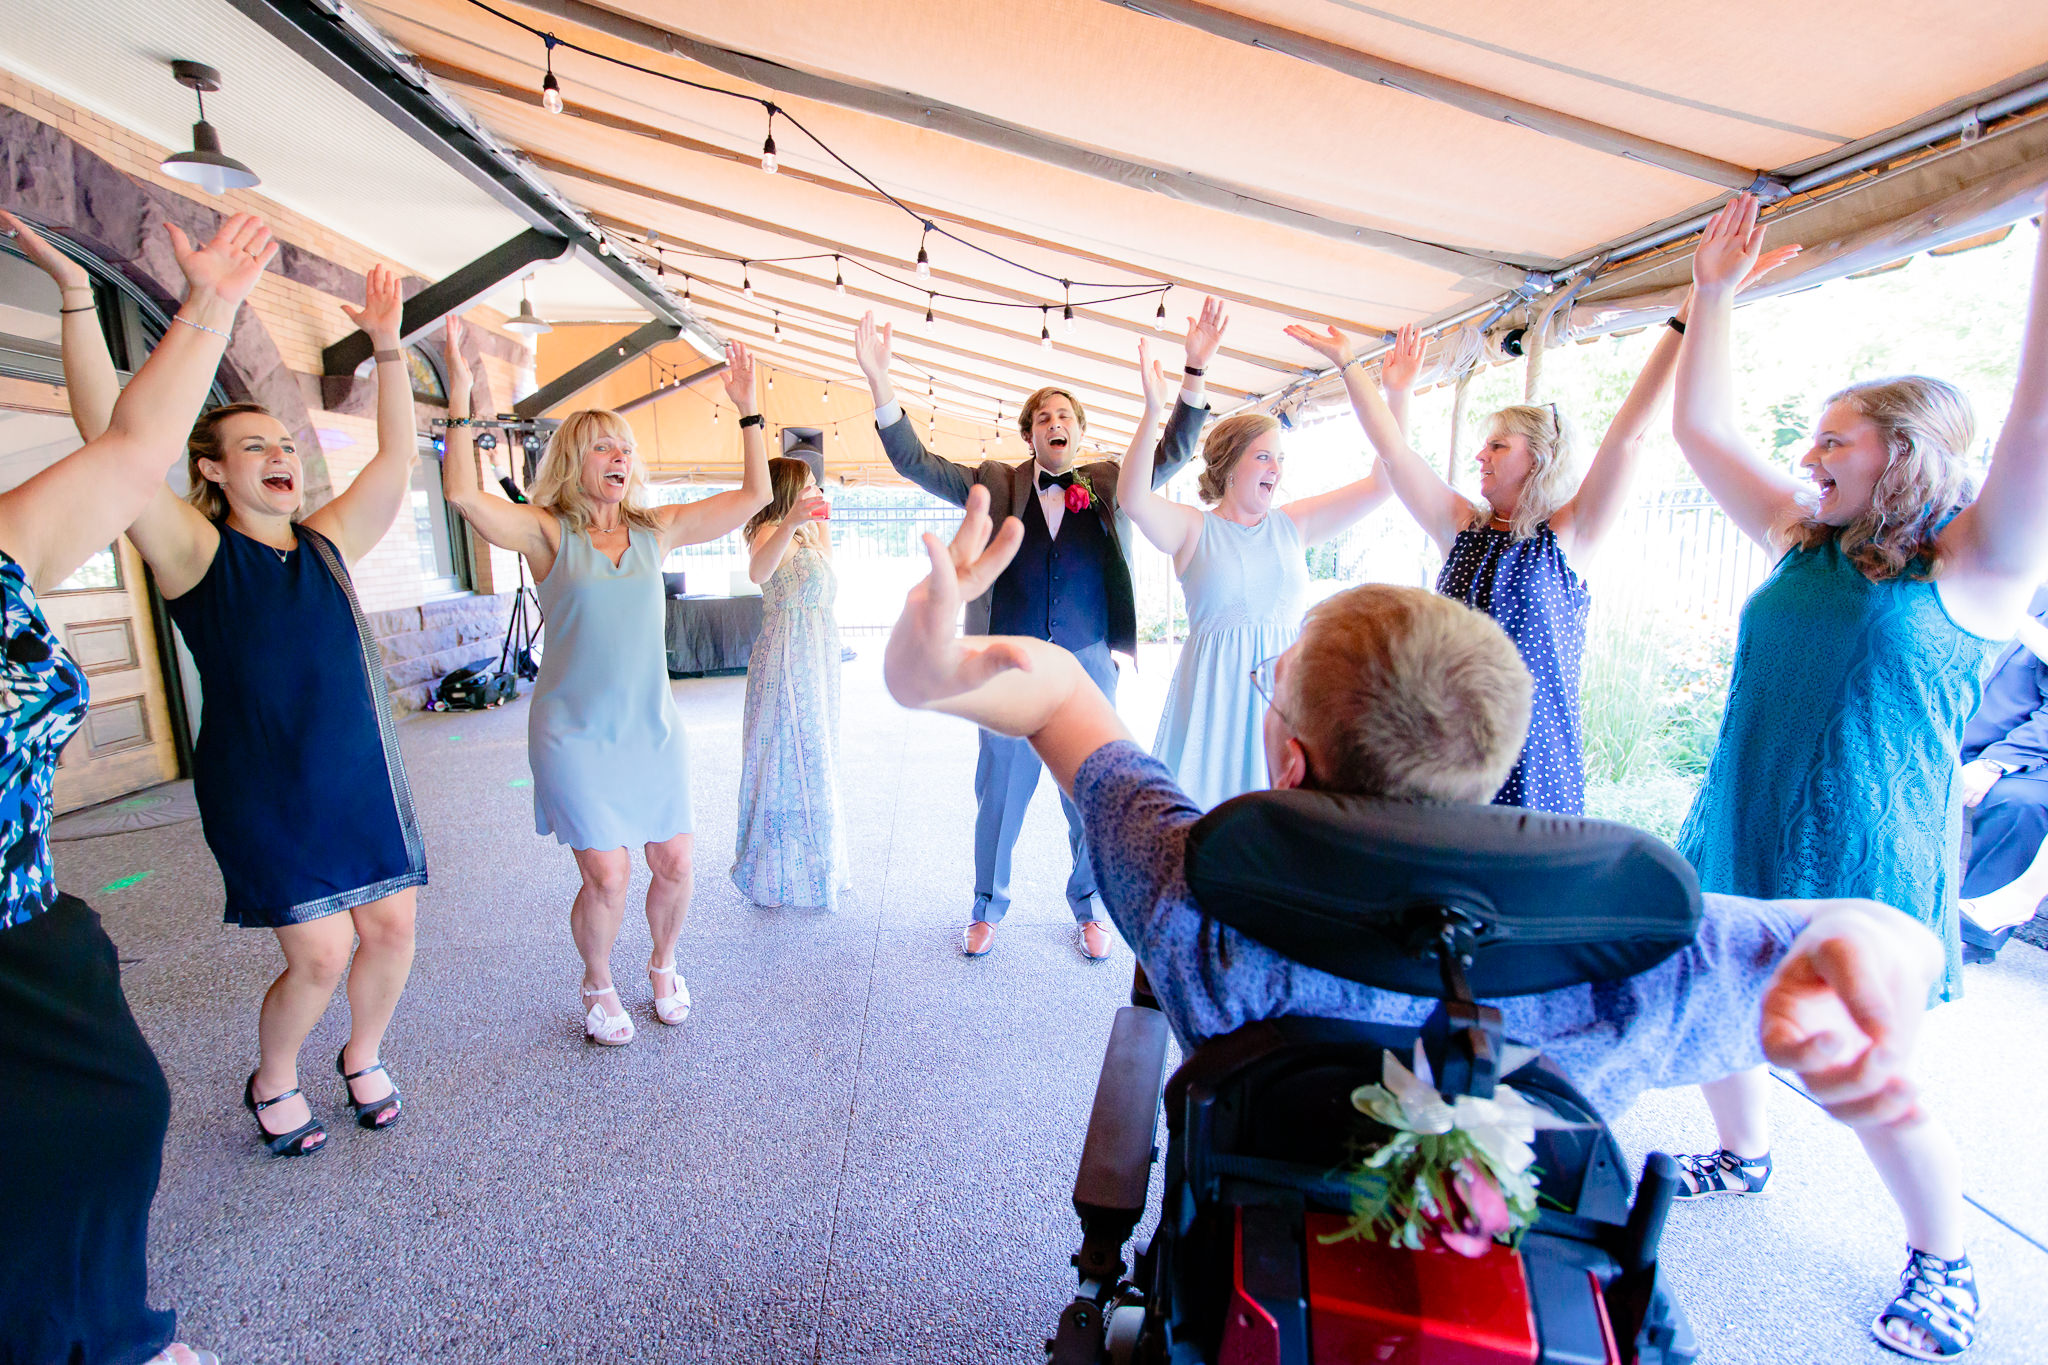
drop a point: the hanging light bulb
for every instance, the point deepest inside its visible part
(924, 262)
(746, 281)
(768, 162)
(771, 382)
(1044, 332)
(1067, 319)
(838, 280)
(205, 165)
(550, 88)
(686, 288)
(714, 414)
(1159, 318)
(826, 396)
(778, 324)
(929, 321)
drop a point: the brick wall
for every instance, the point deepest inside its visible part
(301, 314)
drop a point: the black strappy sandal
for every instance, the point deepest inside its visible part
(294, 1143)
(366, 1113)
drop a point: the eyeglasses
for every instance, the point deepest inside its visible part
(1266, 681)
(1556, 422)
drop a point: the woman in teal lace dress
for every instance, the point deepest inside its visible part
(1858, 662)
(792, 844)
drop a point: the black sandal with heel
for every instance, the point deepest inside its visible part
(298, 1142)
(367, 1111)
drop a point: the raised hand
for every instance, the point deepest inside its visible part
(1205, 333)
(739, 377)
(926, 660)
(1730, 248)
(1331, 344)
(1403, 363)
(228, 266)
(456, 366)
(1842, 1010)
(68, 273)
(874, 346)
(1152, 379)
(383, 307)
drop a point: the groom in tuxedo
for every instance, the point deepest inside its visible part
(1070, 584)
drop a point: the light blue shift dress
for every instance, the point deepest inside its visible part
(1247, 587)
(611, 764)
(1836, 772)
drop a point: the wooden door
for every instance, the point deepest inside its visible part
(102, 614)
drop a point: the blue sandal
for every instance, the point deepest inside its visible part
(299, 1141)
(369, 1114)
(1940, 1298)
(1722, 1172)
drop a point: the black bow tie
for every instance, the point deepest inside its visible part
(1046, 480)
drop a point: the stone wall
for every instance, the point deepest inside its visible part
(424, 644)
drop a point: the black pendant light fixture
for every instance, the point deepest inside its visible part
(526, 322)
(206, 165)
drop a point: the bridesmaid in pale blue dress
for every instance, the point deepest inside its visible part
(610, 760)
(1858, 663)
(1243, 568)
(792, 844)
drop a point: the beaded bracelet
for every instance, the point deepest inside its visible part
(180, 317)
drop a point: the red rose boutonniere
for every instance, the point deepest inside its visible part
(1079, 499)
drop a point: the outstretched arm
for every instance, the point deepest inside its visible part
(1020, 687)
(1186, 418)
(57, 518)
(692, 523)
(1759, 498)
(874, 347)
(89, 376)
(1170, 527)
(1995, 551)
(362, 515)
(1584, 521)
(501, 522)
(1438, 507)
(1844, 1008)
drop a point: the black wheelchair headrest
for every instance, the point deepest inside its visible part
(1356, 887)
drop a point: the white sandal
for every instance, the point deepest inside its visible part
(600, 1027)
(674, 1007)
(192, 1356)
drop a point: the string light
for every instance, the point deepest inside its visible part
(686, 288)
(838, 279)
(1159, 318)
(1044, 331)
(924, 262)
(768, 161)
(929, 321)
(778, 324)
(1067, 313)
(746, 281)
(550, 88)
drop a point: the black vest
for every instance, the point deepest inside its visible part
(1056, 590)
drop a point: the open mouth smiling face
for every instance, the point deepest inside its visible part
(1055, 434)
(608, 468)
(261, 464)
(1845, 462)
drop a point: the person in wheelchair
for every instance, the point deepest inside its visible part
(1399, 694)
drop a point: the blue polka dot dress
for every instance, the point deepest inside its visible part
(1541, 602)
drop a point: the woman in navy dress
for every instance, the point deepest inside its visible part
(301, 793)
(1514, 554)
(82, 1136)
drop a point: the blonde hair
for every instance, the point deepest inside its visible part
(204, 444)
(786, 478)
(1407, 695)
(1552, 474)
(1926, 426)
(558, 484)
(1030, 409)
(1227, 442)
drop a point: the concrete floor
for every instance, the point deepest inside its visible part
(861, 1145)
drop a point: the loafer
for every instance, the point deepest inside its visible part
(1094, 941)
(969, 939)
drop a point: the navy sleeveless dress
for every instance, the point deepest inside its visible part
(301, 793)
(1541, 602)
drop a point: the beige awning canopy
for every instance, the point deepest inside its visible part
(1362, 165)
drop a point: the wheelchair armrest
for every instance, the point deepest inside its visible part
(1116, 1162)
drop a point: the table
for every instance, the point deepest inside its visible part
(707, 634)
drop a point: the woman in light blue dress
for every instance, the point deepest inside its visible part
(792, 847)
(1858, 663)
(1243, 568)
(610, 760)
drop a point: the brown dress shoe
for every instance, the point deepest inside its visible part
(977, 938)
(1095, 941)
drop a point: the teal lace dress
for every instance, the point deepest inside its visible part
(1836, 771)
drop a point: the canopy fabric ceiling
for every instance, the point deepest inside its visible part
(1364, 165)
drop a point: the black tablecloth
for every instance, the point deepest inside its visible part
(711, 634)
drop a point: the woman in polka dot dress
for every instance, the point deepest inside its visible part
(1512, 553)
